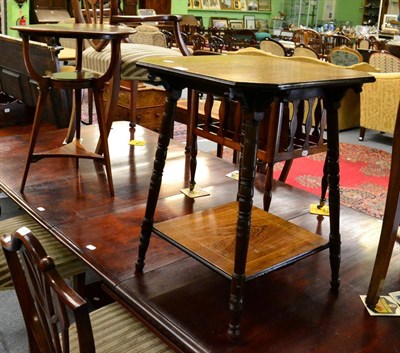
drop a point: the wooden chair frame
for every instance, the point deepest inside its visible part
(98, 14)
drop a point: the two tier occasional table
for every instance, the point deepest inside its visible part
(75, 80)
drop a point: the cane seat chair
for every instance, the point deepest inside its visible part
(385, 62)
(97, 55)
(302, 50)
(390, 225)
(68, 264)
(57, 318)
(272, 46)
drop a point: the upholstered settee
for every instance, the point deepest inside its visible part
(379, 102)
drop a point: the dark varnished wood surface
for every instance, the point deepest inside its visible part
(209, 236)
(76, 30)
(288, 310)
(261, 73)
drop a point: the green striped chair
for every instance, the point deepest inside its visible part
(48, 297)
(68, 264)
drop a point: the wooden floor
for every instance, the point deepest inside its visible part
(290, 310)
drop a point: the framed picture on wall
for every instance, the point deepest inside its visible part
(249, 22)
(226, 4)
(264, 5)
(252, 5)
(219, 22)
(262, 25)
(236, 24)
(210, 4)
(196, 4)
(205, 4)
(214, 4)
(239, 4)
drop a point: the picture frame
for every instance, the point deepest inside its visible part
(214, 5)
(196, 4)
(226, 4)
(236, 24)
(252, 5)
(219, 22)
(249, 22)
(262, 24)
(210, 4)
(240, 5)
(264, 5)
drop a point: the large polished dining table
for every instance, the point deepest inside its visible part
(288, 310)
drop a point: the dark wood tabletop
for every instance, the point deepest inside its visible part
(252, 72)
(76, 30)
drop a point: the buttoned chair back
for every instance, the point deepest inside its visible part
(345, 56)
(385, 62)
(56, 318)
(272, 46)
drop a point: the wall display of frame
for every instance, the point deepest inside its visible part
(252, 5)
(219, 22)
(264, 5)
(195, 4)
(262, 24)
(249, 22)
(210, 4)
(236, 24)
(226, 4)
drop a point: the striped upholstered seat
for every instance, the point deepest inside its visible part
(131, 53)
(68, 265)
(63, 313)
(117, 331)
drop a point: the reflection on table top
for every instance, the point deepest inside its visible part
(73, 30)
(253, 72)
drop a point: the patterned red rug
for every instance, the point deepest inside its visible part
(364, 175)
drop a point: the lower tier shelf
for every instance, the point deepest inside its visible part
(210, 235)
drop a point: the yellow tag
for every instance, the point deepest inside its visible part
(137, 142)
(196, 192)
(315, 209)
(233, 175)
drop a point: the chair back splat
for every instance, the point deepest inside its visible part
(57, 319)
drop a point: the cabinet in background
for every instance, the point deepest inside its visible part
(160, 6)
